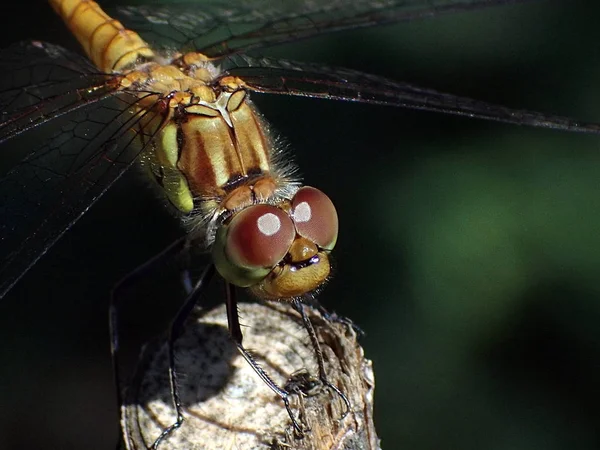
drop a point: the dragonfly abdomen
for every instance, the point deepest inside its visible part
(109, 45)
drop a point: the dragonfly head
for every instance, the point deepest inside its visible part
(279, 251)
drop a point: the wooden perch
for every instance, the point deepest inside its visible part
(227, 406)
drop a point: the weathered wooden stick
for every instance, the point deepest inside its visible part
(227, 406)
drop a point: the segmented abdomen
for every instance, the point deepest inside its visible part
(109, 45)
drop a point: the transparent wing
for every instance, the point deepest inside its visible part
(78, 143)
(225, 28)
(41, 81)
(269, 76)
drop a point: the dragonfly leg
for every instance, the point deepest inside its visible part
(116, 300)
(299, 306)
(334, 317)
(236, 333)
(175, 332)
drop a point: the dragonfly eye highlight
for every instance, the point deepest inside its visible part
(252, 243)
(315, 217)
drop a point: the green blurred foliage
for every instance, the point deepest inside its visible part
(468, 250)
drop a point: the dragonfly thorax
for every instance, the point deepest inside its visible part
(190, 73)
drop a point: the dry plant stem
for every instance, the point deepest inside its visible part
(227, 406)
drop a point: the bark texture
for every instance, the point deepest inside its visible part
(227, 406)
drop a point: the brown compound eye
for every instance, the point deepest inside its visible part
(315, 217)
(252, 243)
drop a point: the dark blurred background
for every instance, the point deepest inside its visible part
(468, 250)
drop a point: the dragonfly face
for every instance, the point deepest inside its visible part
(279, 251)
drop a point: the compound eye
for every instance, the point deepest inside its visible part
(259, 237)
(315, 217)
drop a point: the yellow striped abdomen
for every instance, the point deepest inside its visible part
(109, 45)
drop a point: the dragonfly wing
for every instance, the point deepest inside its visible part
(41, 81)
(225, 28)
(269, 76)
(78, 143)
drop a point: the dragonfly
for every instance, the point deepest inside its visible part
(166, 87)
